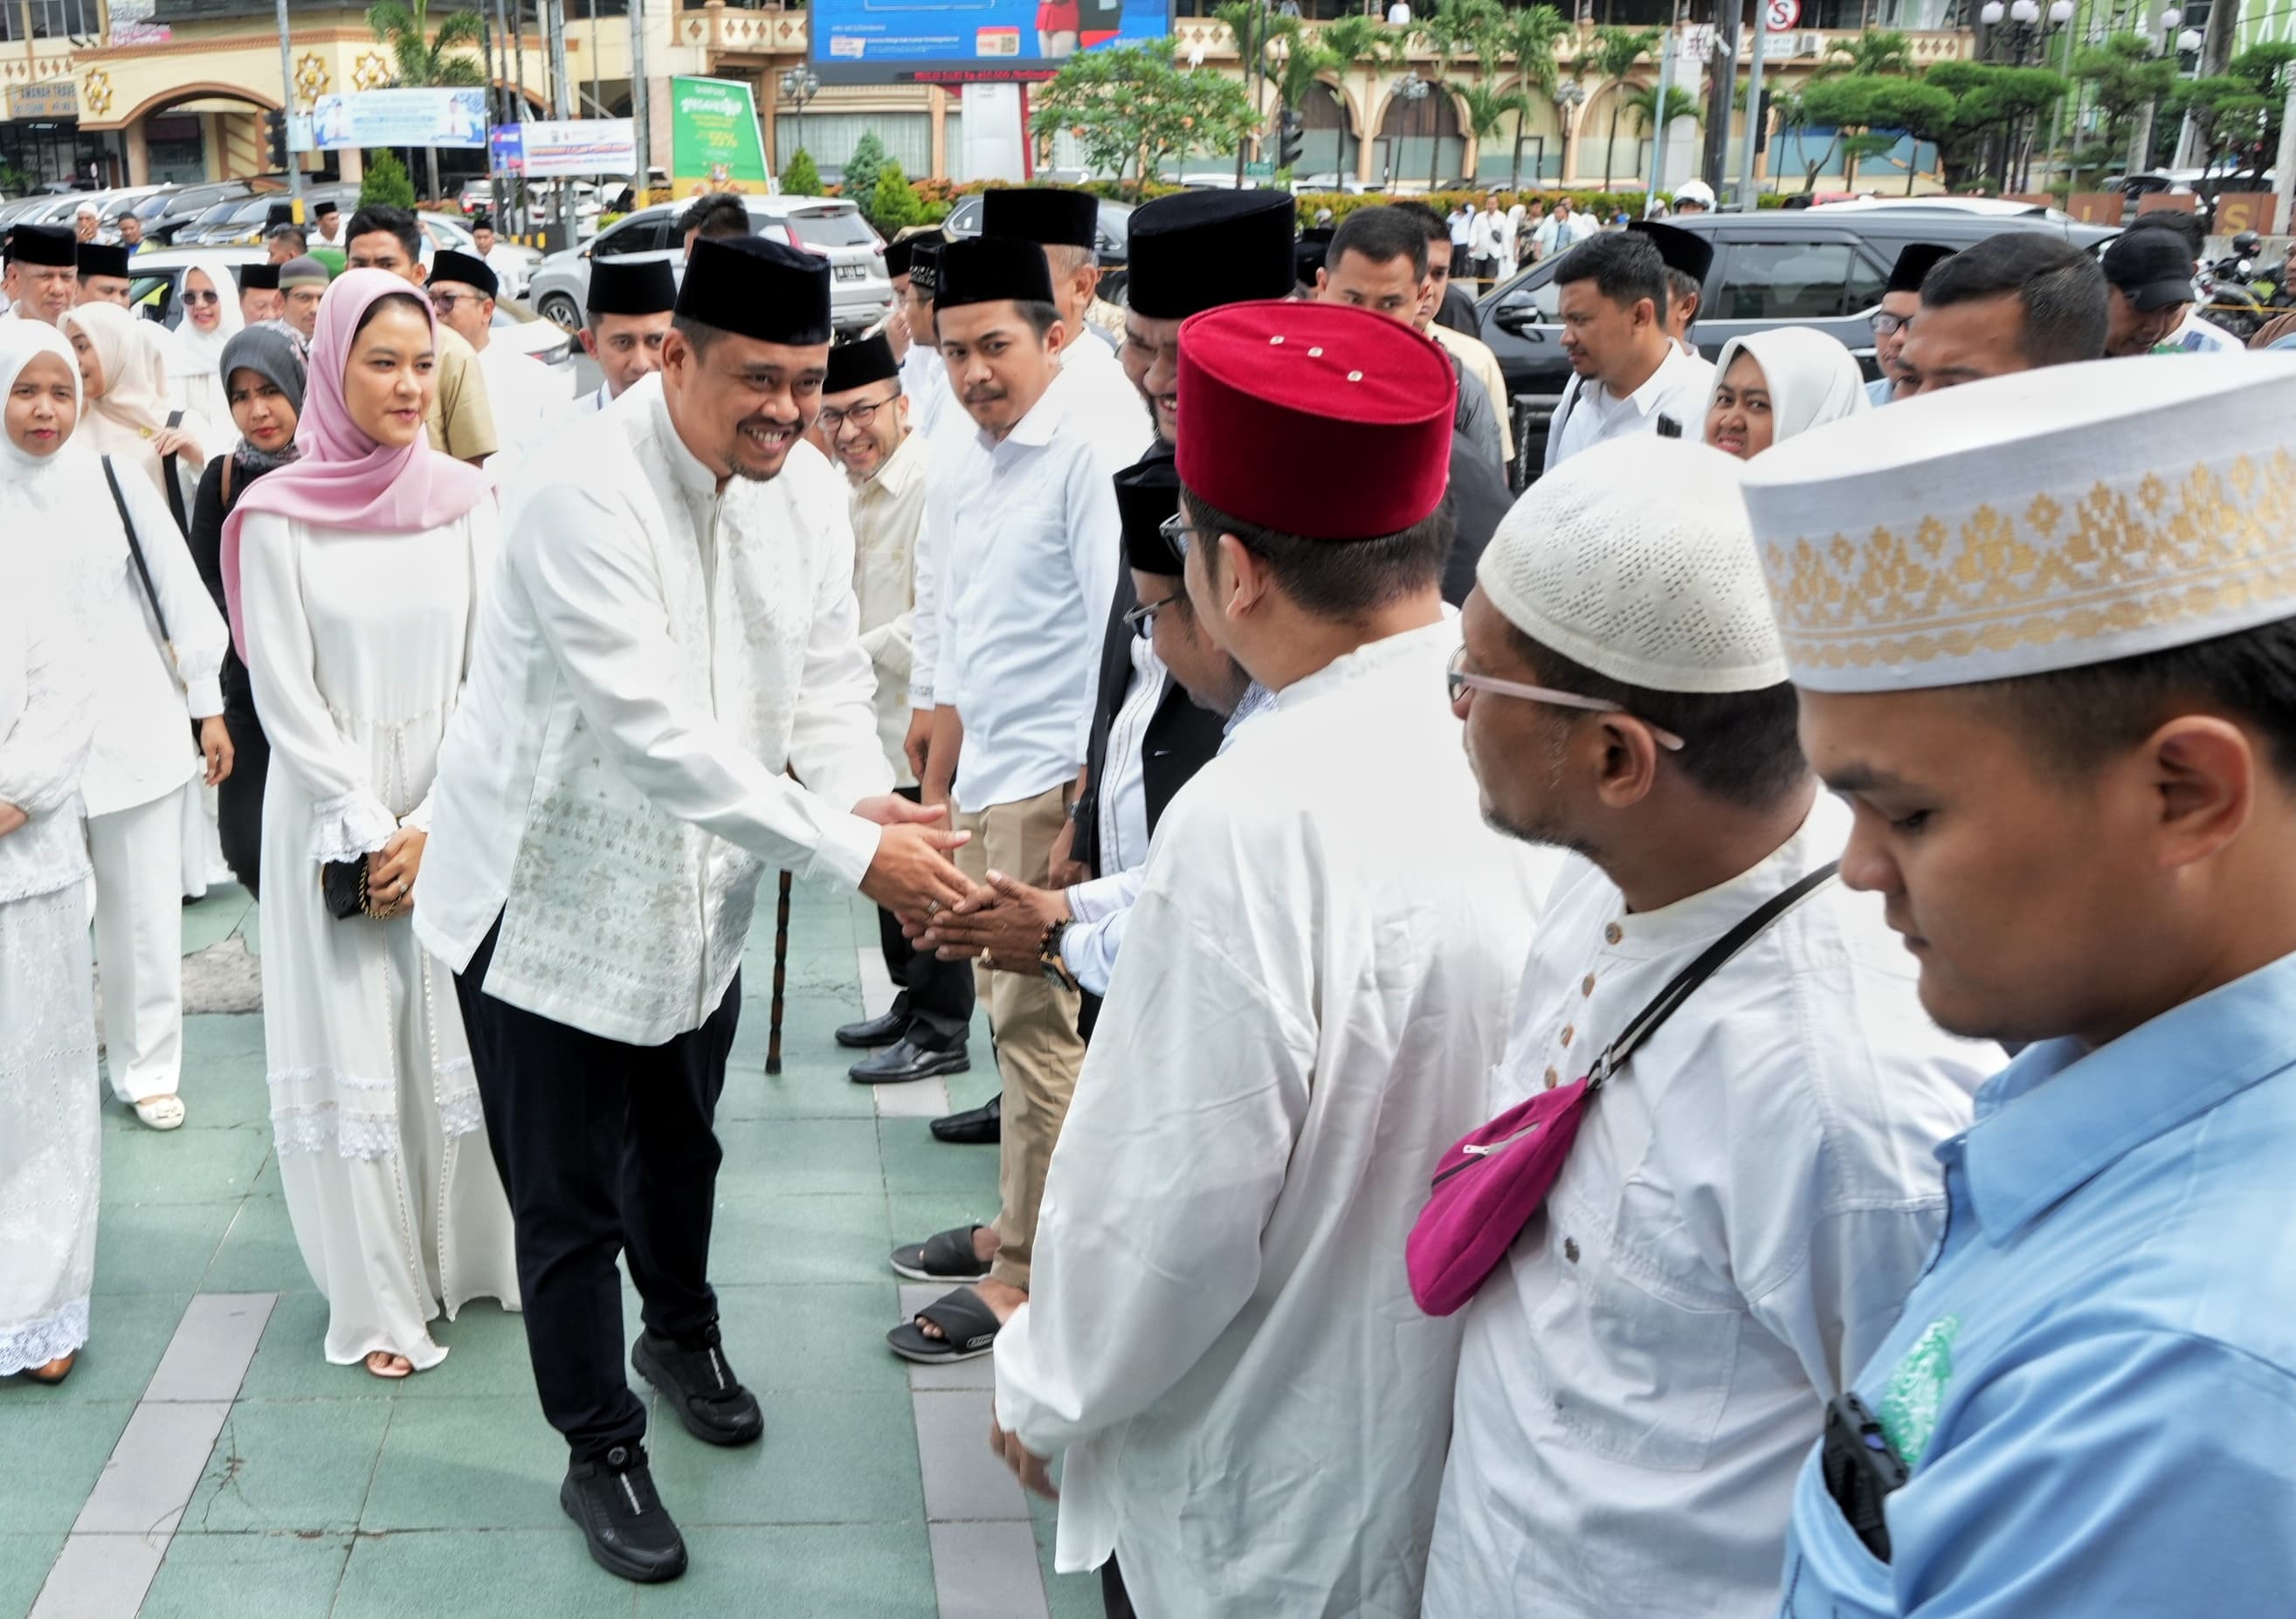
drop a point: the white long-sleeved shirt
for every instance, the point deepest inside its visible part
(944, 431)
(1588, 414)
(44, 732)
(1745, 1208)
(1112, 413)
(1020, 559)
(1220, 1332)
(889, 511)
(527, 400)
(655, 656)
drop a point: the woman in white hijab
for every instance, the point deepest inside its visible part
(1772, 385)
(51, 1127)
(209, 298)
(123, 369)
(147, 680)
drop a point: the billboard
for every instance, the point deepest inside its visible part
(714, 142)
(400, 118)
(877, 42)
(574, 146)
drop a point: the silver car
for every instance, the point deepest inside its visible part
(860, 293)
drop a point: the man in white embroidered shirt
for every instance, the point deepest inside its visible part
(672, 631)
(1752, 1194)
(1627, 375)
(1019, 560)
(1313, 981)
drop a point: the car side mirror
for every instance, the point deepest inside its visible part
(1521, 320)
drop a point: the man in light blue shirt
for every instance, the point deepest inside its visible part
(2092, 854)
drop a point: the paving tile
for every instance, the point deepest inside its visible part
(913, 1162)
(126, 1334)
(970, 1090)
(215, 918)
(1067, 1595)
(226, 1092)
(258, 1252)
(826, 1571)
(248, 1576)
(71, 1442)
(486, 1357)
(100, 1575)
(186, 1166)
(827, 1457)
(987, 1571)
(208, 1357)
(925, 1098)
(792, 1157)
(24, 1563)
(812, 1084)
(814, 1336)
(288, 1466)
(542, 1572)
(157, 1247)
(291, 1362)
(840, 1238)
(466, 1464)
(213, 1040)
(153, 1469)
(963, 1479)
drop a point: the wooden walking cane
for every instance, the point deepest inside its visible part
(781, 974)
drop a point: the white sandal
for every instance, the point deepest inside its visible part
(161, 1112)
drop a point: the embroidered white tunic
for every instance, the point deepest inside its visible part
(1220, 1333)
(1743, 1212)
(656, 658)
(358, 648)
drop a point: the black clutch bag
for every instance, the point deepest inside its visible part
(342, 888)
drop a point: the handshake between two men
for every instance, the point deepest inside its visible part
(1002, 924)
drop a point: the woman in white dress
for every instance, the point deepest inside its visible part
(208, 295)
(50, 1128)
(354, 575)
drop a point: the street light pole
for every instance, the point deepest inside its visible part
(1747, 198)
(641, 109)
(287, 116)
(555, 19)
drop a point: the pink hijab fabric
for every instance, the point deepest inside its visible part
(343, 477)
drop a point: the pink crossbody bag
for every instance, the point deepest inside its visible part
(1496, 1177)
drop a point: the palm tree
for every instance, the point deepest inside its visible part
(1615, 52)
(1878, 52)
(1487, 110)
(1643, 108)
(422, 58)
(1360, 41)
(1530, 35)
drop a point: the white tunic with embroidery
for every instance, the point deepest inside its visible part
(358, 646)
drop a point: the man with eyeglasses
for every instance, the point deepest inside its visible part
(865, 420)
(526, 397)
(1901, 300)
(1753, 1191)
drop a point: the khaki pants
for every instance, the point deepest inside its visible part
(1034, 1022)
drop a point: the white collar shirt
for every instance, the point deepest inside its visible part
(527, 399)
(655, 658)
(1589, 413)
(889, 511)
(1123, 804)
(1745, 1208)
(1113, 413)
(1022, 535)
(1219, 1333)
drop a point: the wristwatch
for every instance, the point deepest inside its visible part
(1048, 954)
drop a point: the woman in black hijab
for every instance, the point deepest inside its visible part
(263, 370)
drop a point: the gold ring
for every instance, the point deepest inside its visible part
(932, 907)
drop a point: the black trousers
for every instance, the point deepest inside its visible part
(1114, 1599)
(936, 995)
(239, 801)
(604, 1149)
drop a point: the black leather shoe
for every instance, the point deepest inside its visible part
(700, 1387)
(905, 1059)
(883, 1029)
(612, 1500)
(982, 1126)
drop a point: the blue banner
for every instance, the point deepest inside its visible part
(953, 41)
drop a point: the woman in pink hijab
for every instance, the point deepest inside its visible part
(354, 575)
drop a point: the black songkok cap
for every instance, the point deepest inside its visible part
(1196, 250)
(277, 214)
(1147, 493)
(258, 278)
(1915, 262)
(482, 222)
(990, 269)
(52, 245)
(1685, 250)
(757, 289)
(924, 262)
(896, 259)
(1045, 214)
(448, 264)
(631, 286)
(103, 259)
(860, 362)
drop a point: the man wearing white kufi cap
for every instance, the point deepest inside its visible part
(2045, 632)
(1749, 1195)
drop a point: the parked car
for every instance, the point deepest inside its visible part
(860, 293)
(1821, 266)
(192, 203)
(1113, 229)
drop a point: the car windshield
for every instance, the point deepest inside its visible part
(217, 214)
(153, 206)
(833, 228)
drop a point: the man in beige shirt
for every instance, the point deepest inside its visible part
(865, 420)
(462, 424)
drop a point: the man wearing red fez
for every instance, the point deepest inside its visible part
(1220, 1335)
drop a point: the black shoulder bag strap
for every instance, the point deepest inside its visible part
(143, 569)
(1710, 963)
(172, 486)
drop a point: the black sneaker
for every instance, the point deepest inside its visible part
(612, 1500)
(700, 1387)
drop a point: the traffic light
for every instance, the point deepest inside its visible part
(1290, 134)
(274, 138)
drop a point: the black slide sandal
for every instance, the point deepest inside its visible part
(969, 1325)
(943, 1256)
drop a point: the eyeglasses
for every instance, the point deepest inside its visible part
(1458, 683)
(1885, 323)
(859, 415)
(1176, 534)
(1142, 619)
(446, 303)
(203, 298)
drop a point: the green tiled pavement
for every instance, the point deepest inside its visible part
(330, 1494)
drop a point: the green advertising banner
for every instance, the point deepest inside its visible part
(714, 142)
